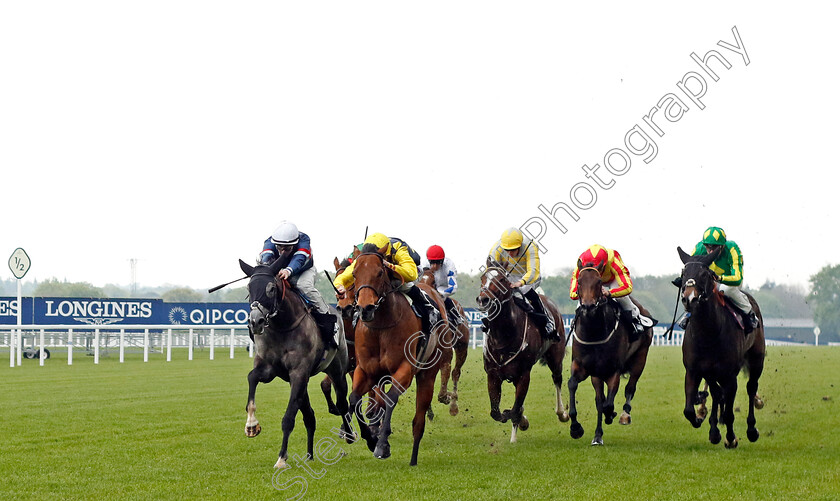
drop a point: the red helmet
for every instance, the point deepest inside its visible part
(435, 253)
(594, 256)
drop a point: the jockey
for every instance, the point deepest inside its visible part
(615, 280)
(729, 270)
(446, 280)
(288, 243)
(520, 258)
(404, 261)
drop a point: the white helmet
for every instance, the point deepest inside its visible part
(285, 234)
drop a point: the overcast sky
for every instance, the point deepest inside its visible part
(180, 133)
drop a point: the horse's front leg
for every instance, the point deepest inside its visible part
(362, 384)
(517, 411)
(445, 369)
(717, 404)
(598, 384)
(577, 375)
(730, 388)
(308, 422)
(609, 403)
(460, 358)
(296, 394)
(261, 373)
(400, 381)
(692, 384)
(326, 389)
(494, 391)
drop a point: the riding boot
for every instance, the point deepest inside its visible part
(750, 322)
(635, 324)
(452, 313)
(541, 317)
(326, 326)
(683, 321)
(429, 314)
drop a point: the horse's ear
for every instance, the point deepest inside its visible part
(246, 268)
(356, 252)
(580, 264)
(685, 258)
(711, 257)
(276, 266)
(336, 263)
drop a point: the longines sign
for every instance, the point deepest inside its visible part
(96, 311)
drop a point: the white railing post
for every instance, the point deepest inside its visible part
(190, 351)
(41, 348)
(96, 346)
(122, 345)
(11, 348)
(69, 346)
(168, 345)
(146, 345)
(212, 343)
(19, 346)
(250, 348)
(231, 343)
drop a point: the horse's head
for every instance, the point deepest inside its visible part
(698, 281)
(589, 287)
(372, 280)
(263, 292)
(345, 305)
(428, 278)
(495, 290)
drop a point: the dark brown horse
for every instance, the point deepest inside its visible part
(288, 345)
(601, 349)
(513, 346)
(389, 350)
(346, 309)
(715, 348)
(458, 339)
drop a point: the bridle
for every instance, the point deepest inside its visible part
(380, 296)
(691, 282)
(271, 292)
(601, 298)
(485, 289)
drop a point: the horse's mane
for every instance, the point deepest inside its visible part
(369, 248)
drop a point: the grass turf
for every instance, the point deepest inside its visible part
(174, 430)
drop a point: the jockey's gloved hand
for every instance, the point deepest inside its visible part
(265, 257)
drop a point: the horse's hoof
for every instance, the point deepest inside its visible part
(752, 434)
(624, 419)
(597, 441)
(714, 436)
(430, 414)
(443, 398)
(281, 464)
(730, 445)
(702, 412)
(252, 431)
(453, 408)
(576, 430)
(563, 417)
(351, 439)
(524, 424)
(758, 403)
(383, 452)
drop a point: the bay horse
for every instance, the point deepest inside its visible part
(715, 348)
(288, 345)
(388, 351)
(459, 340)
(602, 350)
(512, 347)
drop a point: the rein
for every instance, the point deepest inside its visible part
(489, 353)
(577, 338)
